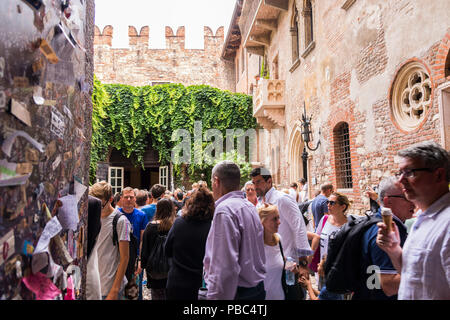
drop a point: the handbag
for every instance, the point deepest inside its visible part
(294, 292)
(316, 259)
(131, 290)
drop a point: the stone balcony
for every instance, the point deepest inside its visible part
(259, 19)
(269, 103)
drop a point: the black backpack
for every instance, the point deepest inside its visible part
(133, 251)
(304, 210)
(343, 264)
(157, 265)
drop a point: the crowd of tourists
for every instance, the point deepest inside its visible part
(256, 242)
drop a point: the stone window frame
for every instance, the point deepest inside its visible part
(342, 156)
(308, 27)
(412, 82)
(295, 38)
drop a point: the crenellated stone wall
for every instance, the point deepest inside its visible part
(139, 65)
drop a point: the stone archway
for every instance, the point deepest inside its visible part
(295, 150)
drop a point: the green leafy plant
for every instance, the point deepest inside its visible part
(128, 119)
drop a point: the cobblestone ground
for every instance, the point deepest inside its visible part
(146, 295)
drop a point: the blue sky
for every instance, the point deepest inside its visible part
(193, 14)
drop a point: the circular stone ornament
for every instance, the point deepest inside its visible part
(411, 96)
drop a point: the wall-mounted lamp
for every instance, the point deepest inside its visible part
(306, 129)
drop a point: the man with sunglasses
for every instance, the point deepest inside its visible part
(386, 287)
(424, 260)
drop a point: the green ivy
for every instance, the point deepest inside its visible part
(127, 118)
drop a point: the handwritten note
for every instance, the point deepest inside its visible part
(68, 213)
(8, 143)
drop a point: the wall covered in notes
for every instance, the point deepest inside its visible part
(46, 70)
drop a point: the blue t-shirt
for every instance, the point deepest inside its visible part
(319, 207)
(138, 220)
(373, 255)
(149, 211)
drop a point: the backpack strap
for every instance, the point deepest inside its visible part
(114, 223)
(283, 273)
(325, 218)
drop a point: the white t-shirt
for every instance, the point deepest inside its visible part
(325, 233)
(108, 253)
(93, 286)
(274, 269)
(293, 194)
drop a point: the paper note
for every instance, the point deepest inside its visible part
(8, 143)
(48, 52)
(79, 190)
(2, 99)
(2, 67)
(40, 285)
(41, 255)
(37, 96)
(68, 213)
(9, 176)
(56, 163)
(57, 125)
(52, 228)
(7, 244)
(21, 112)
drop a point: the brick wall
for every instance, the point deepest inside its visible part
(139, 65)
(348, 77)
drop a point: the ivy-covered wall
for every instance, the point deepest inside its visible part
(127, 118)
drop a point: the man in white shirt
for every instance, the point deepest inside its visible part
(292, 228)
(424, 262)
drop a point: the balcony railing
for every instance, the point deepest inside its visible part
(269, 103)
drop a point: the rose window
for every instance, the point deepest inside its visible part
(411, 96)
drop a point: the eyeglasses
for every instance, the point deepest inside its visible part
(410, 173)
(250, 189)
(331, 203)
(397, 196)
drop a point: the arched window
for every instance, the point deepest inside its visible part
(308, 16)
(294, 34)
(342, 156)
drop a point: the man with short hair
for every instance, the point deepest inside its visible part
(141, 198)
(156, 192)
(112, 261)
(139, 221)
(234, 262)
(319, 205)
(292, 228)
(391, 196)
(424, 260)
(178, 202)
(303, 189)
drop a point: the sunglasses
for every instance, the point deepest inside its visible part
(397, 196)
(331, 203)
(410, 173)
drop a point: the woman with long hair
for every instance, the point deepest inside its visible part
(274, 282)
(338, 204)
(185, 246)
(158, 227)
